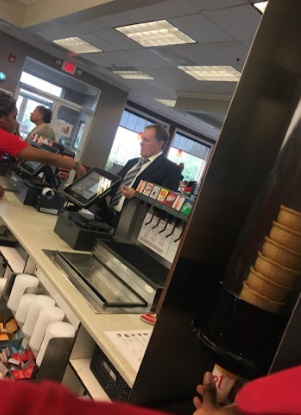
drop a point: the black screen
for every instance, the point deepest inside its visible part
(33, 168)
(91, 186)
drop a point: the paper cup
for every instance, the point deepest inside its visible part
(286, 236)
(253, 297)
(224, 382)
(281, 254)
(264, 286)
(290, 218)
(274, 271)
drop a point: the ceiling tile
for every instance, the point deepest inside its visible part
(117, 39)
(171, 55)
(92, 25)
(173, 8)
(200, 54)
(229, 53)
(146, 56)
(214, 4)
(200, 28)
(142, 14)
(99, 42)
(240, 22)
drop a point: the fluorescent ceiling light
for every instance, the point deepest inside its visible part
(167, 102)
(261, 6)
(157, 33)
(133, 75)
(212, 73)
(77, 45)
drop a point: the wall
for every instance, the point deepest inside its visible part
(110, 106)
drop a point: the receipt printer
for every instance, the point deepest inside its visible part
(50, 201)
(36, 193)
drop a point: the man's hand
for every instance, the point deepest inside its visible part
(209, 406)
(128, 192)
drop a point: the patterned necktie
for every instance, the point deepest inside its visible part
(127, 180)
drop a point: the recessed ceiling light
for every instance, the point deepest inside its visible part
(77, 45)
(156, 33)
(167, 102)
(261, 5)
(212, 73)
(133, 75)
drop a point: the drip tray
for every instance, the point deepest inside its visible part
(107, 289)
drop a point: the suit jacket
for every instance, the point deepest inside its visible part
(161, 171)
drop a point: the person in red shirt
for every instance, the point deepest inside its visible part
(277, 394)
(50, 398)
(13, 145)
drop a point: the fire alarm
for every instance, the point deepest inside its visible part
(11, 57)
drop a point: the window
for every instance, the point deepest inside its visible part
(126, 142)
(194, 154)
(125, 147)
(38, 83)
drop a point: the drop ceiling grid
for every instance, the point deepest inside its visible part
(200, 28)
(215, 4)
(173, 8)
(240, 22)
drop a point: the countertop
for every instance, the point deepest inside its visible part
(34, 232)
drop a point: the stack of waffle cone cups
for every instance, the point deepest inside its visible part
(277, 265)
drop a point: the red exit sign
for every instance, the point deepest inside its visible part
(69, 67)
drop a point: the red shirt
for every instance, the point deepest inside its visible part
(23, 397)
(276, 394)
(11, 144)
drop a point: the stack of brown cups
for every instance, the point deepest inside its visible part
(277, 265)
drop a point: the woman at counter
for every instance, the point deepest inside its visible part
(16, 147)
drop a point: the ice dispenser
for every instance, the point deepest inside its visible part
(261, 286)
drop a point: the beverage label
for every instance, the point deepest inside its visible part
(178, 203)
(148, 188)
(170, 198)
(141, 186)
(187, 207)
(155, 192)
(162, 195)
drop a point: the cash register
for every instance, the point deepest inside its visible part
(77, 225)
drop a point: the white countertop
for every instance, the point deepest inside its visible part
(34, 231)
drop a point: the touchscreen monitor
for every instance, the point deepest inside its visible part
(90, 187)
(33, 168)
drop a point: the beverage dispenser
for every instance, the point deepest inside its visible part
(261, 286)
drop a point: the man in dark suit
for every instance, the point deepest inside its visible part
(153, 166)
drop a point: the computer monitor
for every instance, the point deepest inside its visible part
(92, 186)
(33, 168)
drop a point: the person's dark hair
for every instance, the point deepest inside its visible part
(7, 103)
(45, 112)
(161, 133)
